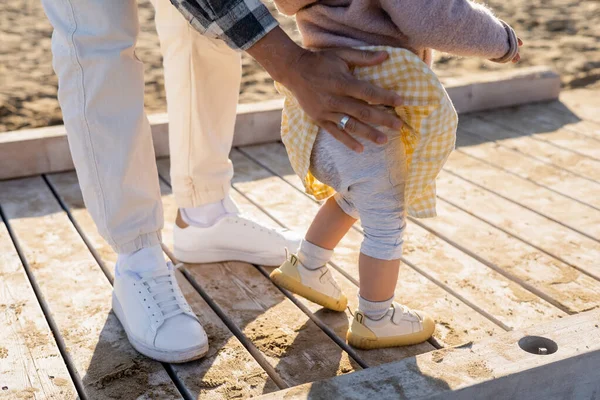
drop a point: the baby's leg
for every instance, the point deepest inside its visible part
(378, 195)
(330, 225)
(307, 273)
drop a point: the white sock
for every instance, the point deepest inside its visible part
(313, 256)
(208, 214)
(143, 260)
(374, 309)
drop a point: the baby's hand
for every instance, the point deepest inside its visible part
(518, 56)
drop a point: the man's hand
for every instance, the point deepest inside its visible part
(326, 89)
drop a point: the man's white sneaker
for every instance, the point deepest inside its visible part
(157, 319)
(318, 285)
(232, 237)
(400, 326)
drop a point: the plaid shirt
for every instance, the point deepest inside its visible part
(240, 23)
(428, 133)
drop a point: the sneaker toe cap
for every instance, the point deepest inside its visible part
(180, 333)
(427, 322)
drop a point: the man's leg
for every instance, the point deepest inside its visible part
(101, 91)
(202, 79)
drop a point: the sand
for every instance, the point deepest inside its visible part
(564, 34)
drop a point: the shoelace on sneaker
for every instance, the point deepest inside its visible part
(161, 287)
(254, 225)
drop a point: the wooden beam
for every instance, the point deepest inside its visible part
(493, 368)
(45, 150)
(505, 88)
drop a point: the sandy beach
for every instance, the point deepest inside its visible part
(563, 34)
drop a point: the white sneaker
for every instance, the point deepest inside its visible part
(233, 237)
(400, 326)
(157, 319)
(318, 285)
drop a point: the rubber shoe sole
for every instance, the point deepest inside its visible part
(298, 288)
(168, 356)
(213, 256)
(368, 343)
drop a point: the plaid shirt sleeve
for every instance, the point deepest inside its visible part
(240, 23)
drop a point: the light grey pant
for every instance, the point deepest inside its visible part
(369, 186)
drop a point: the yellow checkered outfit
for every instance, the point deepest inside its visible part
(428, 133)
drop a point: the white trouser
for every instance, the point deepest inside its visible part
(101, 92)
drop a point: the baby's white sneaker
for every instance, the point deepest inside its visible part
(317, 285)
(399, 326)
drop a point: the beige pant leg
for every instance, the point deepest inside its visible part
(202, 79)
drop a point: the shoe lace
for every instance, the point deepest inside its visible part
(162, 287)
(255, 225)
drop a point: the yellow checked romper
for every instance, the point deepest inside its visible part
(385, 182)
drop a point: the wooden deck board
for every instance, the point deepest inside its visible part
(584, 103)
(31, 365)
(294, 345)
(502, 299)
(209, 377)
(556, 281)
(457, 323)
(79, 297)
(338, 322)
(523, 144)
(476, 169)
(524, 121)
(505, 162)
(563, 243)
(544, 115)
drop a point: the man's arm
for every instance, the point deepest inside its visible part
(321, 81)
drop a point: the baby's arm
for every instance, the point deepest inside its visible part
(459, 27)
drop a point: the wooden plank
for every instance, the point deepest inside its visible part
(502, 88)
(584, 103)
(542, 174)
(293, 344)
(31, 365)
(457, 323)
(488, 290)
(338, 322)
(545, 114)
(79, 297)
(493, 368)
(45, 150)
(552, 279)
(540, 150)
(526, 122)
(563, 243)
(227, 370)
(486, 165)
